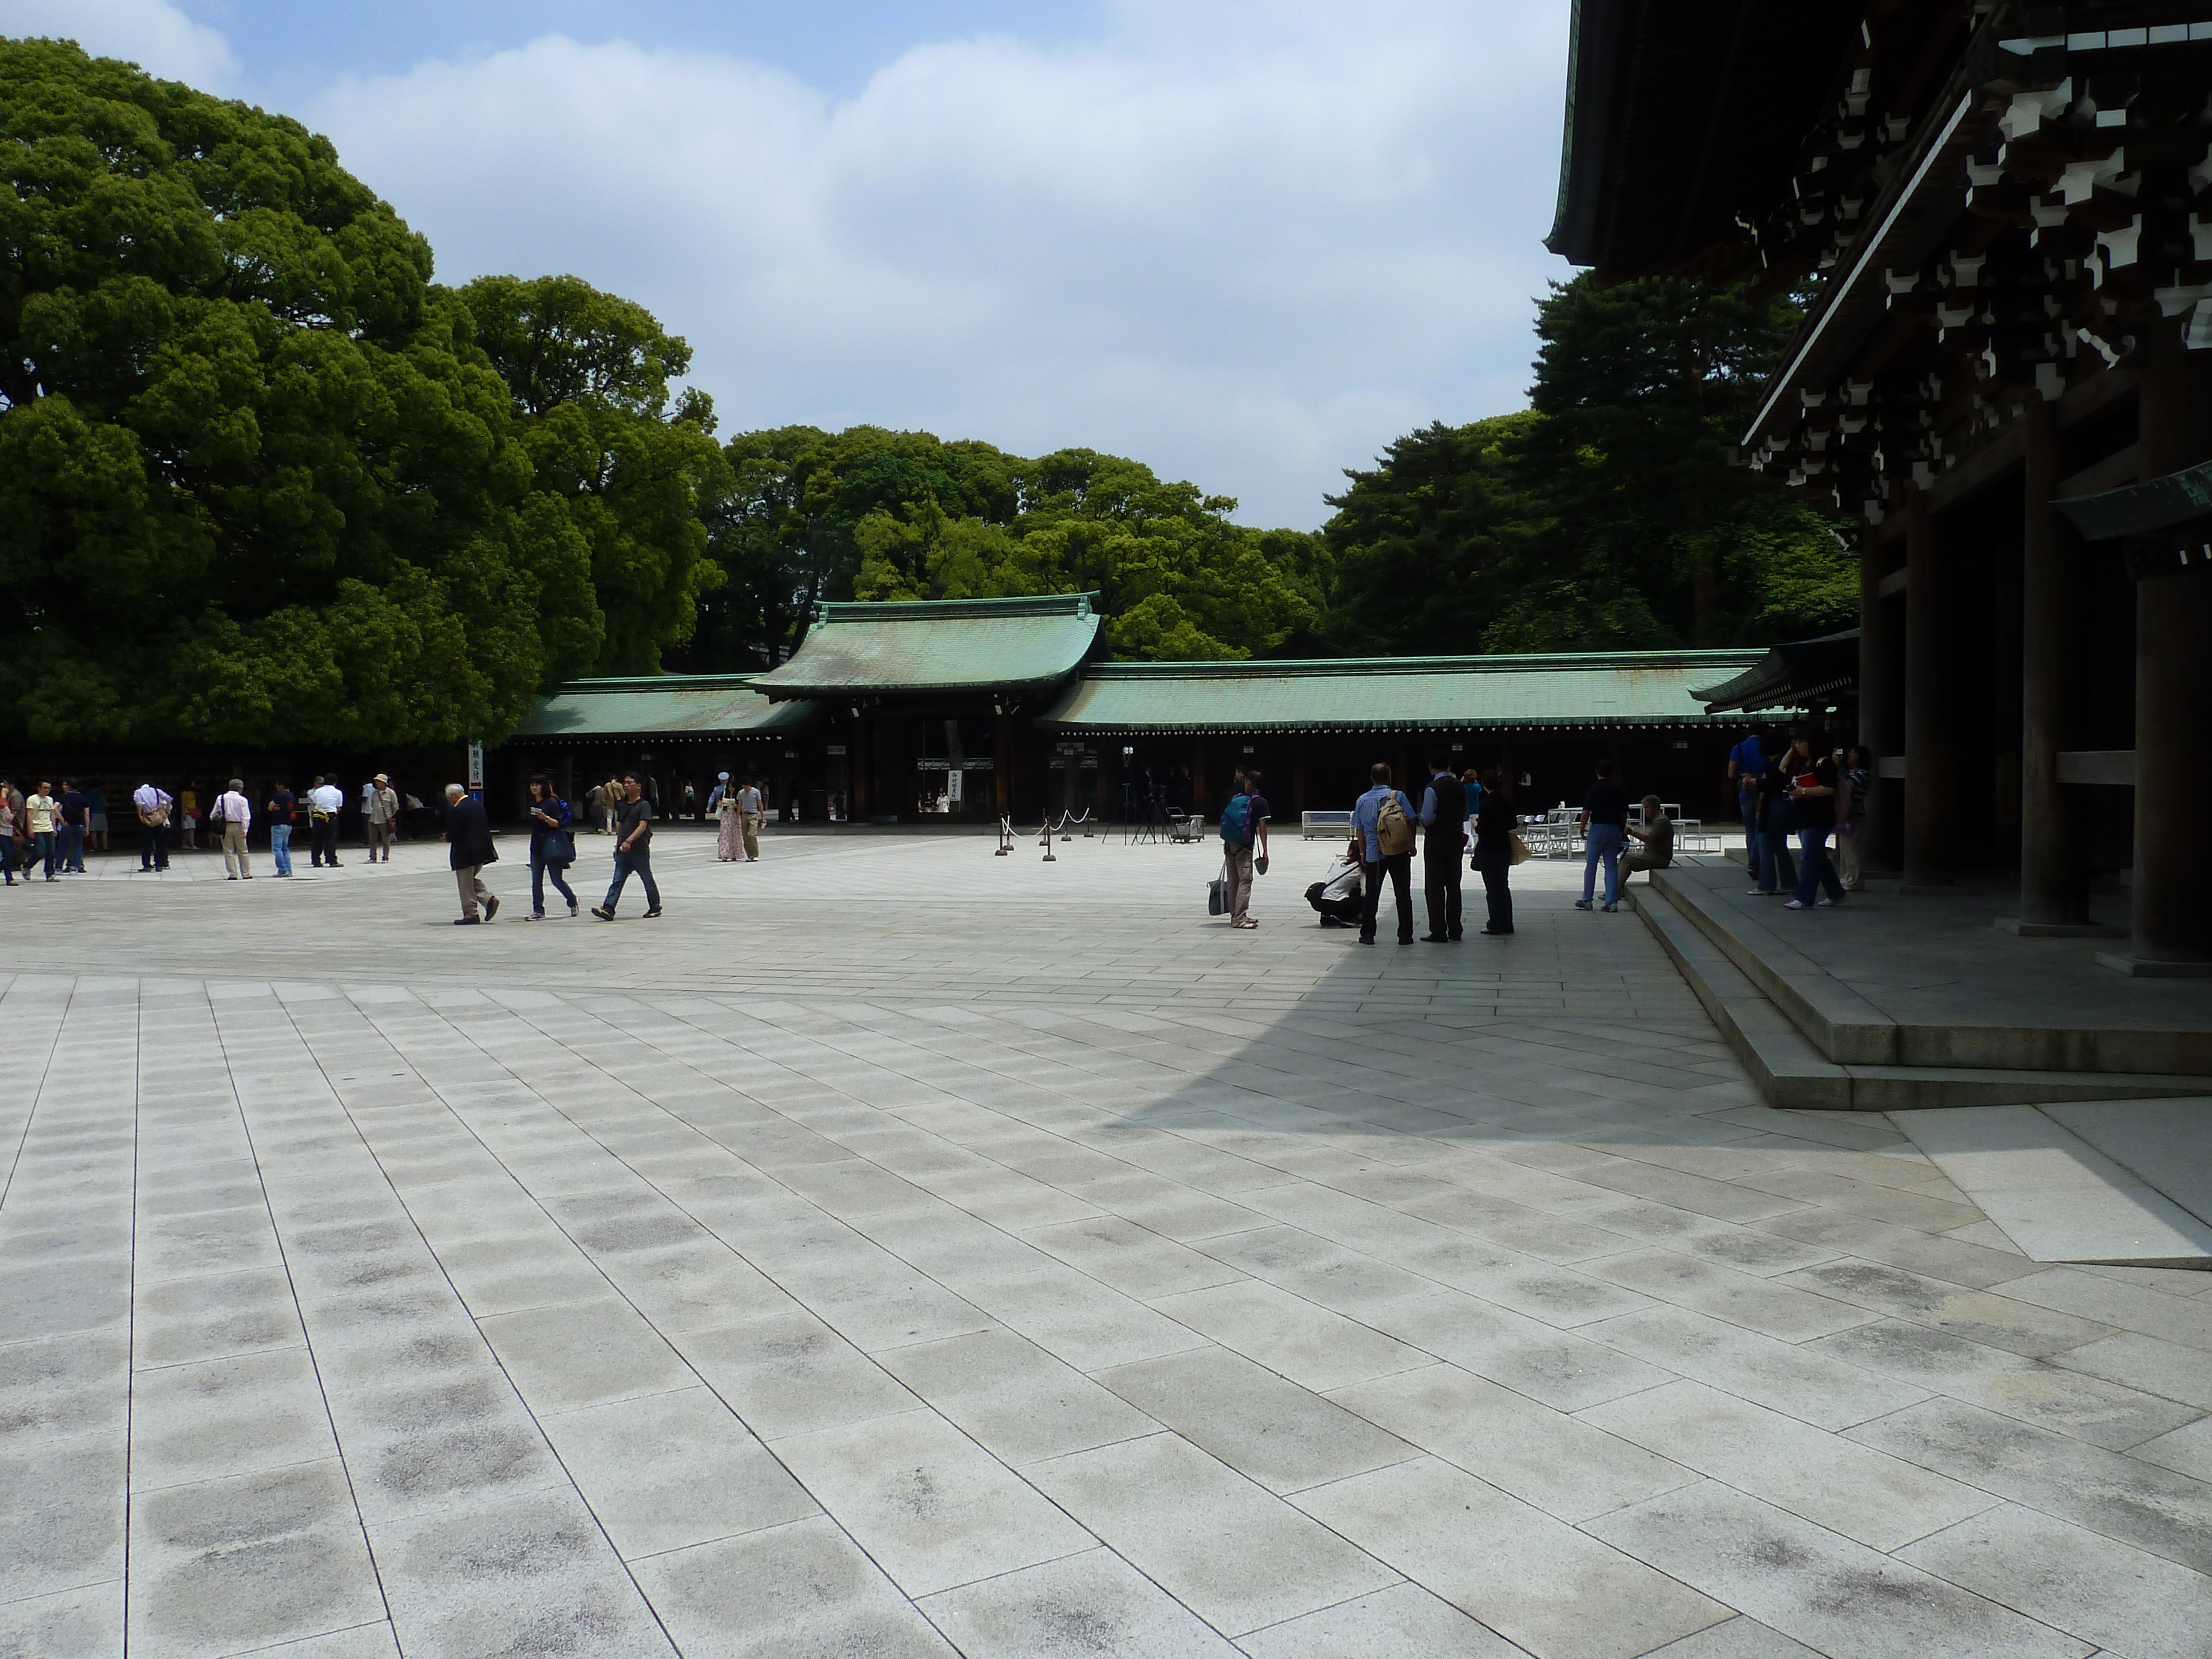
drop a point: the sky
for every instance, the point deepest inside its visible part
(1248, 242)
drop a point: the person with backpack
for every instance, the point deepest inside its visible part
(1244, 829)
(1382, 842)
(552, 846)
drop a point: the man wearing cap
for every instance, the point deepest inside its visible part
(380, 811)
(237, 814)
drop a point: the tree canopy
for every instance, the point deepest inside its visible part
(259, 478)
(875, 514)
(263, 480)
(1607, 515)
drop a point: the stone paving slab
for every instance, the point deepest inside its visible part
(895, 1249)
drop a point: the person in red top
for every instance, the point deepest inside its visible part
(1813, 806)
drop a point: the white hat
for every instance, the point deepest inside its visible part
(722, 776)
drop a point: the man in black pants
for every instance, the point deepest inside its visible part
(1383, 838)
(1444, 839)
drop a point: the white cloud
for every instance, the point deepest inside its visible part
(152, 33)
(1248, 243)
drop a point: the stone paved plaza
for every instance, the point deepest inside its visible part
(898, 1250)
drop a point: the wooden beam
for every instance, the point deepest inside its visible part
(2123, 466)
(2106, 766)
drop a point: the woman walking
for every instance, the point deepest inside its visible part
(552, 847)
(1494, 822)
(730, 840)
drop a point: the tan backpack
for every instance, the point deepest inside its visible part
(1394, 830)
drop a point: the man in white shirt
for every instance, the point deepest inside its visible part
(154, 808)
(750, 813)
(237, 815)
(324, 803)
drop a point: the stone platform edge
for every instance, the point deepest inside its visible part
(1792, 1073)
(1849, 1030)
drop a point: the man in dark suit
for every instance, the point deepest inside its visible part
(468, 845)
(1444, 839)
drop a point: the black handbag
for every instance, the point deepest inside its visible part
(559, 848)
(1217, 895)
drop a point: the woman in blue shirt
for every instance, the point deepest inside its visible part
(552, 847)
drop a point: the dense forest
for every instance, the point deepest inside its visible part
(263, 479)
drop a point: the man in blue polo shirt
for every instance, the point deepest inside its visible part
(1745, 762)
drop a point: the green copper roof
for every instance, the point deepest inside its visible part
(673, 705)
(938, 645)
(1396, 693)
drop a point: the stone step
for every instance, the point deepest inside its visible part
(1791, 1072)
(1849, 1030)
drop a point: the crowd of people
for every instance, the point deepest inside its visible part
(620, 807)
(1803, 789)
(1472, 816)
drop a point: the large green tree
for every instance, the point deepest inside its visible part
(633, 471)
(259, 482)
(876, 514)
(1608, 516)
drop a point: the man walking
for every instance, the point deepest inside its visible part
(41, 812)
(469, 848)
(283, 806)
(324, 803)
(633, 850)
(1243, 828)
(1382, 842)
(75, 810)
(751, 813)
(1604, 830)
(237, 815)
(154, 806)
(1443, 824)
(379, 815)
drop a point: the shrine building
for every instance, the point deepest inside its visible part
(2000, 218)
(937, 711)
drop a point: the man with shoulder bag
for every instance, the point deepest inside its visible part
(154, 806)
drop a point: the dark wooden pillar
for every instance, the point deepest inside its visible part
(1931, 828)
(861, 800)
(1297, 774)
(1882, 725)
(2170, 915)
(1002, 764)
(2054, 869)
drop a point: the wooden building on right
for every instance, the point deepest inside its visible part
(1998, 215)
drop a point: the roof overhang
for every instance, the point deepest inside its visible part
(978, 647)
(1671, 109)
(1559, 692)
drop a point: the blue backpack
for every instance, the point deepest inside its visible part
(1236, 828)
